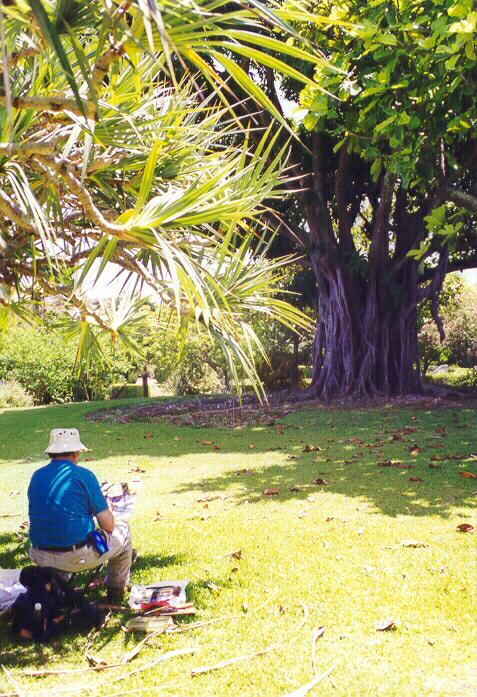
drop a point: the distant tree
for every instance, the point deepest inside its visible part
(459, 321)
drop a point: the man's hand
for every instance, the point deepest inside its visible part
(106, 520)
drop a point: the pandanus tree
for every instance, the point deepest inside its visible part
(112, 153)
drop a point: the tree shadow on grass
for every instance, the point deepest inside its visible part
(390, 489)
(352, 470)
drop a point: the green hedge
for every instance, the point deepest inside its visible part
(455, 377)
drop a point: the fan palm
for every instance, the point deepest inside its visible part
(112, 153)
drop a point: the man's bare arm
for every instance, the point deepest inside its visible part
(106, 520)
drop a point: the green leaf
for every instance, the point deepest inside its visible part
(52, 36)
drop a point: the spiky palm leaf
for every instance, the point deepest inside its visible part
(107, 158)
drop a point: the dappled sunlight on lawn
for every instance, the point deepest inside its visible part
(317, 508)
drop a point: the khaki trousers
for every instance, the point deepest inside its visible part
(119, 557)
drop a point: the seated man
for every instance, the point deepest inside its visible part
(63, 498)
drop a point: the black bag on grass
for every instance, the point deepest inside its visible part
(49, 606)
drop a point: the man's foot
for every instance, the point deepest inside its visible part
(134, 557)
(115, 596)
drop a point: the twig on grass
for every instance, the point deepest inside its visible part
(71, 689)
(151, 664)
(247, 657)
(92, 636)
(304, 689)
(316, 635)
(134, 652)
(176, 629)
(67, 671)
(14, 683)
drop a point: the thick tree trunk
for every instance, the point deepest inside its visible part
(366, 336)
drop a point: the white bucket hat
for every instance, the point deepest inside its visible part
(65, 440)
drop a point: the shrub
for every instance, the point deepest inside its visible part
(12, 394)
(281, 373)
(459, 314)
(194, 377)
(456, 377)
(43, 363)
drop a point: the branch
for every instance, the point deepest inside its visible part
(461, 265)
(75, 186)
(436, 288)
(27, 149)
(16, 214)
(271, 90)
(461, 198)
(54, 104)
(342, 187)
(316, 210)
(102, 65)
(380, 241)
(23, 53)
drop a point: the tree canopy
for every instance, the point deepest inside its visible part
(389, 197)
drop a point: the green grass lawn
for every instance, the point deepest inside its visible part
(335, 549)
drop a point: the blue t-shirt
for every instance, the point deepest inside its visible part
(63, 498)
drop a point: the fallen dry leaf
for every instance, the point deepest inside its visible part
(95, 660)
(236, 555)
(252, 446)
(440, 429)
(413, 543)
(386, 625)
(274, 491)
(139, 470)
(467, 475)
(465, 527)
(395, 463)
(14, 493)
(216, 447)
(438, 458)
(148, 435)
(416, 450)
(415, 479)
(435, 466)
(207, 442)
(321, 482)
(312, 449)
(295, 488)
